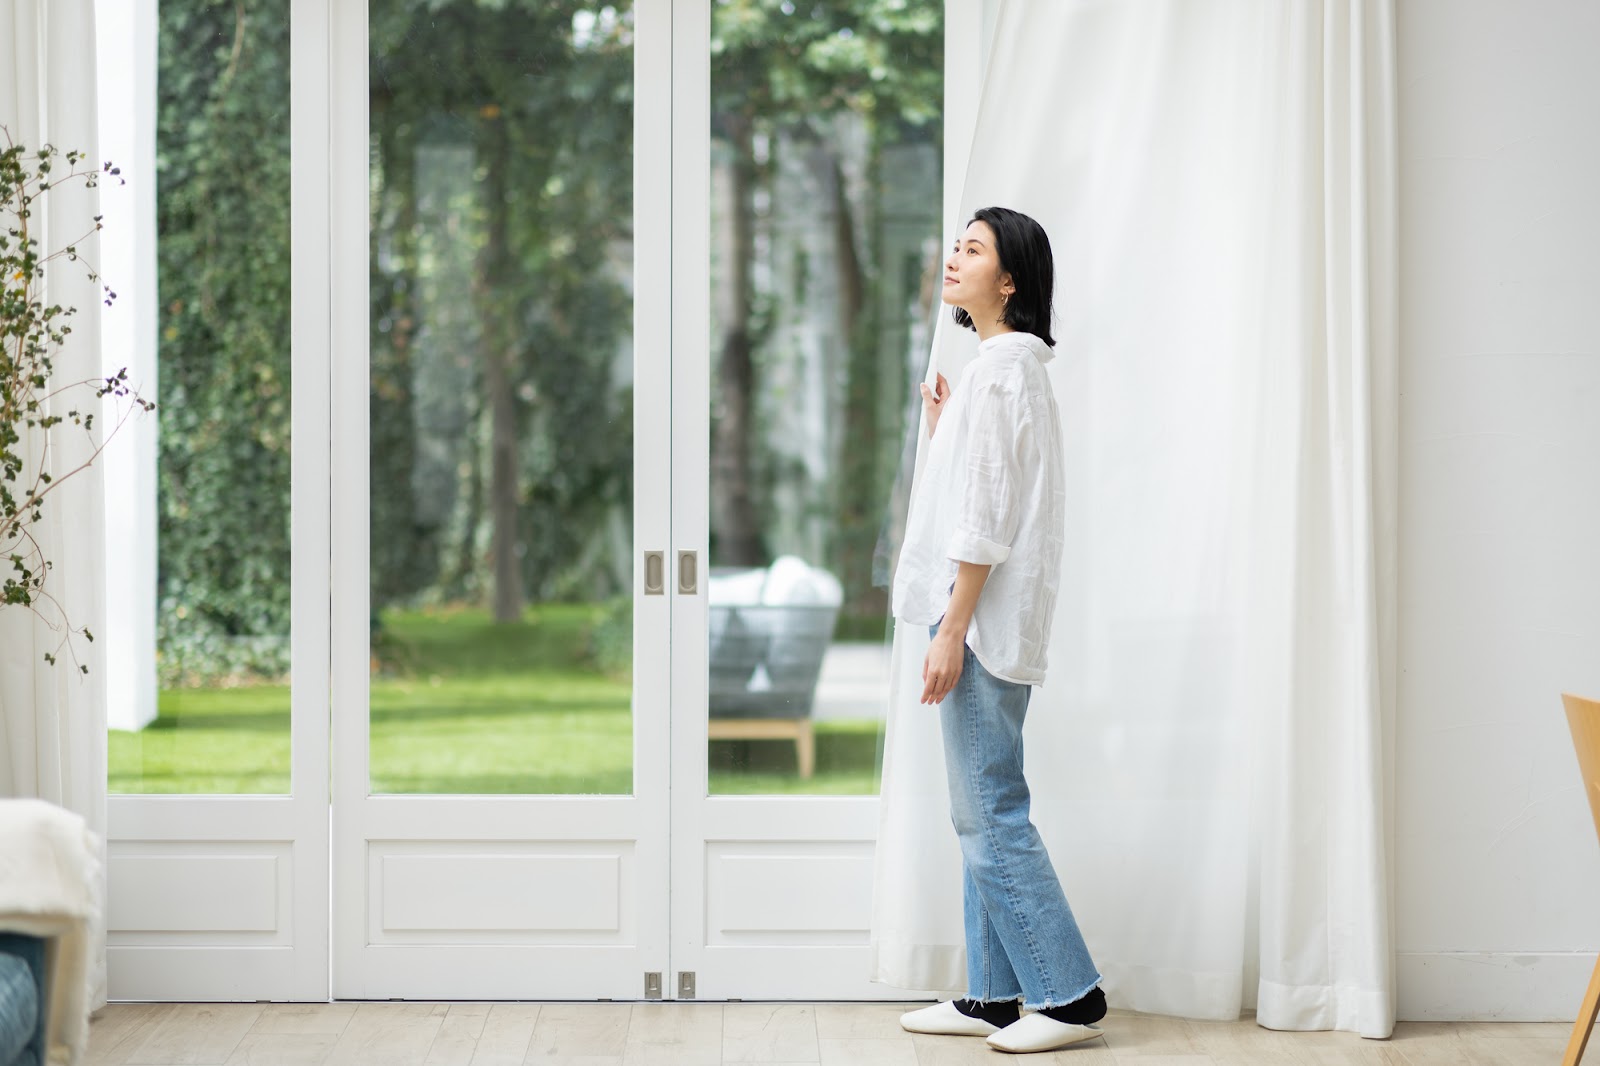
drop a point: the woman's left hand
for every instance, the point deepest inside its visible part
(942, 668)
(933, 401)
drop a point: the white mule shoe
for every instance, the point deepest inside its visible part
(1035, 1032)
(942, 1019)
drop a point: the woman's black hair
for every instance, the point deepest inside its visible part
(1024, 253)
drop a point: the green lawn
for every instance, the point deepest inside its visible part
(462, 705)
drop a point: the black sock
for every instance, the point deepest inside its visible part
(1086, 1011)
(999, 1014)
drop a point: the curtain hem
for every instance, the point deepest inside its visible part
(1201, 995)
(918, 967)
(1309, 1008)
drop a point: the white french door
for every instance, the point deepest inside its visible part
(473, 896)
(771, 894)
(400, 862)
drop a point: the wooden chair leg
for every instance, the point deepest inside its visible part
(805, 743)
(1585, 1022)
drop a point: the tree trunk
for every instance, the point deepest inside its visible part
(857, 497)
(402, 560)
(460, 581)
(734, 521)
(499, 356)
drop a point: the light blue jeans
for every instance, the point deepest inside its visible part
(1022, 940)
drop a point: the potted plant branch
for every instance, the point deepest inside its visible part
(34, 407)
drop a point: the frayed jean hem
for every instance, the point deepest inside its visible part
(1050, 1003)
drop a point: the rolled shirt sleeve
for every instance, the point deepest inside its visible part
(990, 507)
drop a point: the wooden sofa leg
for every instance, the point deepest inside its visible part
(1585, 1022)
(805, 743)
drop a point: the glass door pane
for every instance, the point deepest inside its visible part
(502, 453)
(222, 580)
(217, 512)
(826, 186)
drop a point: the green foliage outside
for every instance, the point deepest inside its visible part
(502, 203)
(496, 201)
(501, 351)
(501, 402)
(477, 707)
(804, 80)
(223, 253)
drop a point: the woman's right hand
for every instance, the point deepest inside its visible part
(933, 401)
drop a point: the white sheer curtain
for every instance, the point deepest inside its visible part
(52, 719)
(1210, 757)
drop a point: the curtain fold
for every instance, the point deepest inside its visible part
(52, 718)
(1210, 756)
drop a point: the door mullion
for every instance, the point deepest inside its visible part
(310, 487)
(691, 483)
(654, 483)
(347, 176)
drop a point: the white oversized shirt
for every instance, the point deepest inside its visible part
(992, 491)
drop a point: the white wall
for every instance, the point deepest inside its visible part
(1498, 870)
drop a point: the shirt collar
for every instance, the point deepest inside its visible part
(1018, 339)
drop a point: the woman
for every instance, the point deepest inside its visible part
(979, 567)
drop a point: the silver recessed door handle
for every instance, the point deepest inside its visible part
(688, 573)
(655, 565)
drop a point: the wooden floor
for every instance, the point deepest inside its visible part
(715, 1034)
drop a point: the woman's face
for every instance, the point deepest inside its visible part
(973, 280)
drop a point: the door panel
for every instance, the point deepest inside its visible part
(500, 794)
(807, 197)
(219, 888)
